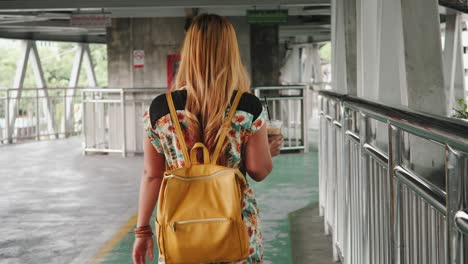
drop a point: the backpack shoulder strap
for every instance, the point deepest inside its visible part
(180, 135)
(226, 127)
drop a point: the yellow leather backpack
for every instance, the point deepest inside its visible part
(199, 215)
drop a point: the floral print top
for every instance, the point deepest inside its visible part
(248, 119)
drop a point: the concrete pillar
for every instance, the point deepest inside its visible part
(243, 39)
(454, 73)
(425, 81)
(367, 49)
(264, 54)
(423, 56)
(392, 73)
(349, 13)
(119, 45)
(157, 37)
(338, 47)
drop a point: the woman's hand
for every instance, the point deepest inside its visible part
(275, 142)
(143, 246)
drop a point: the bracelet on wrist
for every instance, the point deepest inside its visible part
(143, 231)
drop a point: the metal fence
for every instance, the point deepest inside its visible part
(393, 183)
(112, 119)
(37, 113)
(287, 103)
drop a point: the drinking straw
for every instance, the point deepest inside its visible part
(268, 109)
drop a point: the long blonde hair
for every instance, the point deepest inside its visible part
(210, 70)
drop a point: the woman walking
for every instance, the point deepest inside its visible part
(210, 76)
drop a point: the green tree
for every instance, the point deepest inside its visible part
(8, 58)
(56, 61)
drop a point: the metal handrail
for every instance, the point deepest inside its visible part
(291, 109)
(113, 107)
(432, 195)
(353, 136)
(376, 153)
(436, 127)
(43, 120)
(461, 221)
(395, 201)
(131, 90)
(40, 88)
(283, 87)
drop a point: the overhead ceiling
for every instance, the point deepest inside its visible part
(50, 19)
(460, 5)
(64, 4)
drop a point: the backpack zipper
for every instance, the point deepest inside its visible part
(199, 178)
(198, 221)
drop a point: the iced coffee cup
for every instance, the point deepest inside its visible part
(274, 127)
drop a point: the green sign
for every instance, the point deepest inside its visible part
(267, 16)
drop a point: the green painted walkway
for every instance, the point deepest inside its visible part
(292, 185)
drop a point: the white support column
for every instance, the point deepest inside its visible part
(392, 72)
(89, 66)
(82, 58)
(21, 67)
(73, 83)
(350, 20)
(338, 47)
(76, 69)
(423, 56)
(295, 65)
(314, 65)
(43, 93)
(314, 52)
(368, 25)
(424, 76)
(306, 61)
(454, 73)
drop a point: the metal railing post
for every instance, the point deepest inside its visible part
(7, 117)
(346, 175)
(65, 126)
(305, 120)
(83, 121)
(124, 133)
(363, 135)
(38, 122)
(394, 148)
(395, 212)
(455, 202)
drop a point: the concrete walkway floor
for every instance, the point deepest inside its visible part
(58, 206)
(309, 245)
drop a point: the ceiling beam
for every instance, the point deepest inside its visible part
(290, 33)
(306, 27)
(60, 4)
(101, 39)
(231, 11)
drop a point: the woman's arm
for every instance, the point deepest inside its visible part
(258, 161)
(154, 166)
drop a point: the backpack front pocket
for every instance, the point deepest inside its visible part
(203, 240)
